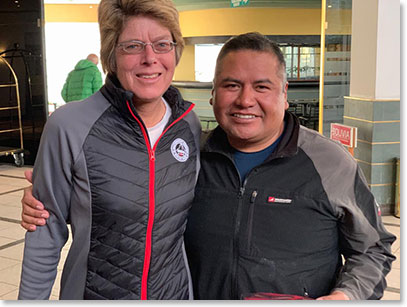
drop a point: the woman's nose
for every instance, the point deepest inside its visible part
(149, 56)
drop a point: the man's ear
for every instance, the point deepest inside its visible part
(212, 97)
(285, 95)
(285, 89)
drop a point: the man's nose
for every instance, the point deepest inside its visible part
(246, 97)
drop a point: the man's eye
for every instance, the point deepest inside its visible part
(231, 86)
(262, 88)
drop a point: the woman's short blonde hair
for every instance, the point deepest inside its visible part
(113, 14)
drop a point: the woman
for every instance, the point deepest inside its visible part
(120, 167)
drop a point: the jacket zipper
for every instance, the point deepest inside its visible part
(250, 224)
(234, 287)
(151, 194)
(235, 282)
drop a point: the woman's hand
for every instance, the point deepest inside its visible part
(334, 296)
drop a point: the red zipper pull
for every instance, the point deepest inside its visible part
(152, 155)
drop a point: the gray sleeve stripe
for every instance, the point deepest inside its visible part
(60, 180)
(364, 242)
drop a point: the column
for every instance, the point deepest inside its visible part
(373, 105)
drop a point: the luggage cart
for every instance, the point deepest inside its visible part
(17, 153)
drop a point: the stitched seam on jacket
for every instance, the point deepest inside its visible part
(111, 213)
(120, 178)
(107, 141)
(113, 283)
(129, 200)
(175, 214)
(178, 178)
(170, 248)
(174, 276)
(124, 252)
(115, 159)
(96, 293)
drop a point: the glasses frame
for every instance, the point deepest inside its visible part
(121, 46)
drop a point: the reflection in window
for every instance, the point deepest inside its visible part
(205, 61)
(302, 62)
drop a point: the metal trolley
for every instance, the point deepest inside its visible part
(17, 153)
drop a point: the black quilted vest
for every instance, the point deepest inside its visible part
(140, 201)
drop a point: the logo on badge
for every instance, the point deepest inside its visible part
(180, 150)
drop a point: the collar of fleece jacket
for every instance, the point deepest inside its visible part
(118, 97)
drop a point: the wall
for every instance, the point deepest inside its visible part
(71, 13)
(373, 105)
(215, 22)
(270, 21)
(185, 68)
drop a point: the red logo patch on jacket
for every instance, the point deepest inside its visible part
(272, 199)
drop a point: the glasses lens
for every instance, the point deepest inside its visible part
(162, 46)
(133, 47)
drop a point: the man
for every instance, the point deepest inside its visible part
(83, 81)
(276, 205)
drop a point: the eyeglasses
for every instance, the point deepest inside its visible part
(136, 47)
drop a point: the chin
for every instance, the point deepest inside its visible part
(241, 137)
(244, 133)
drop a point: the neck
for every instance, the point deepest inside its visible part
(150, 112)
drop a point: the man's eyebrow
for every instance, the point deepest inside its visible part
(263, 81)
(227, 79)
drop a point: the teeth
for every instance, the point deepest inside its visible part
(149, 76)
(244, 116)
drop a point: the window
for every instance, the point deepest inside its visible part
(205, 61)
(301, 62)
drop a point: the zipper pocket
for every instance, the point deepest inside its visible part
(250, 220)
(305, 292)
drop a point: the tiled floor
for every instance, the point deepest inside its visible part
(12, 238)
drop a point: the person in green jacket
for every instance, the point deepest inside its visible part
(83, 81)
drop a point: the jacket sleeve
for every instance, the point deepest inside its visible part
(64, 92)
(51, 185)
(97, 81)
(365, 245)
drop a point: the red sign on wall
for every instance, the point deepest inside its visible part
(347, 135)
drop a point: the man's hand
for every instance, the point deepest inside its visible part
(33, 212)
(335, 296)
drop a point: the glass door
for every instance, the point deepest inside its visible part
(336, 22)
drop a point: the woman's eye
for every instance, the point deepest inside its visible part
(133, 46)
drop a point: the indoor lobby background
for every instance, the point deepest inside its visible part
(343, 66)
